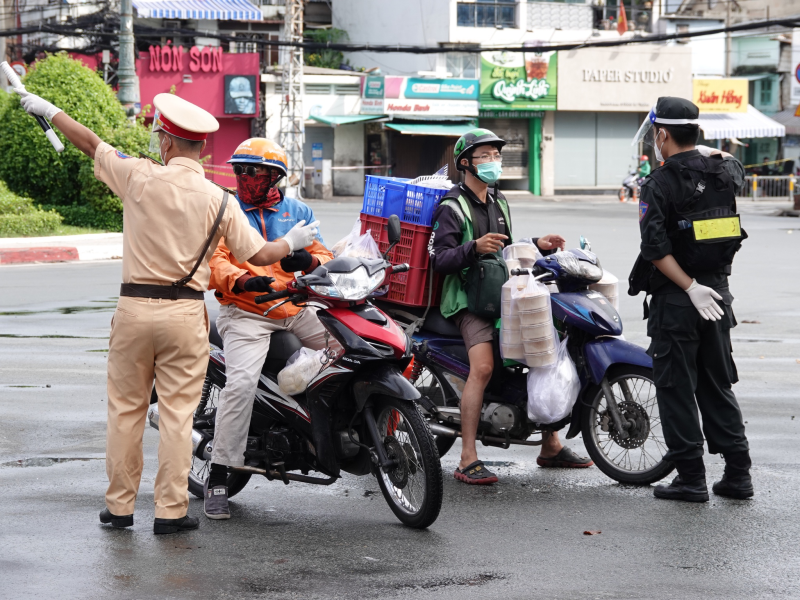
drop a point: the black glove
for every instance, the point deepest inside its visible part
(259, 284)
(299, 261)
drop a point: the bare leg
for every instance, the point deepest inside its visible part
(481, 365)
(551, 445)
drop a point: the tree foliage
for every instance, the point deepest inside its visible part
(32, 168)
(18, 215)
(327, 59)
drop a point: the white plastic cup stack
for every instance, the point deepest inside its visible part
(609, 287)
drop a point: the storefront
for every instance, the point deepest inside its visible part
(603, 96)
(422, 120)
(226, 85)
(516, 91)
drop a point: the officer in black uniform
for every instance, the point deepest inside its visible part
(690, 233)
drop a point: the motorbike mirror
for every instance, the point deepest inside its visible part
(585, 244)
(393, 231)
(393, 228)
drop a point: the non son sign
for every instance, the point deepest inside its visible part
(171, 58)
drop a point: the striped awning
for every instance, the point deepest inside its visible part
(216, 10)
(750, 124)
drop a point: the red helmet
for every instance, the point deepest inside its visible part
(644, 157)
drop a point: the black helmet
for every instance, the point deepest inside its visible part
(472, 139)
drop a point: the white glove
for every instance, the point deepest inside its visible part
(301, 236)
(34, 105)
(703, 299)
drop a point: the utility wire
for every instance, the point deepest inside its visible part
(157, 33)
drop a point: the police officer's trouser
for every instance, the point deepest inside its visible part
(693, 368)
(169, 340)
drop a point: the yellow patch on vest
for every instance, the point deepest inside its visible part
(714, 229)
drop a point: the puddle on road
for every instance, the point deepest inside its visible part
(471, 580)
(100, 350)
(43, 461)
(67, 337)
(109, 305)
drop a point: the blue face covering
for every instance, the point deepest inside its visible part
(489, 172)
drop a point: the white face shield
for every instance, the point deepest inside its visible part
(155, 143)
(645, 133)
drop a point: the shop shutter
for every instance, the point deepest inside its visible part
(615, 155)
(515, 152)
(575, 149)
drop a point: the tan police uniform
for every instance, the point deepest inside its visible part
(168, 214)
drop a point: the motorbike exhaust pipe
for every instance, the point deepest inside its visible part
(197, 437)
(437, 429)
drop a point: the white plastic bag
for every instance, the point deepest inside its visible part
(553, 390)
(362, 246)
(339, 246)
(300, 369)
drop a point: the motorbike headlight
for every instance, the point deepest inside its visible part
(355, 285)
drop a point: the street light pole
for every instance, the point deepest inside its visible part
(128, 94)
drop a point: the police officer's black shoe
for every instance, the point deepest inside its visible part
(688, 491)
(186, 523)
(118, 521)
(739, 488)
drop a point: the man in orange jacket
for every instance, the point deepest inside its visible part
(259, 164)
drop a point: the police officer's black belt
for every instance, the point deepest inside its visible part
(166, 292)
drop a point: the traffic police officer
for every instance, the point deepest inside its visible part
(690, 233)
(160, 327)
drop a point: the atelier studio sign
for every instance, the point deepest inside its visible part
(170, 58)
(628, 76)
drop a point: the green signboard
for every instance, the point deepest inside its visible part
(517, 81)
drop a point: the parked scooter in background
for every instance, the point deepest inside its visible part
(632, 183)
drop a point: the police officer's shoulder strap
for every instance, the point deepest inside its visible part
(183, 281)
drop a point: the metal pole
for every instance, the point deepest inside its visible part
(728, 38)
(128, 94)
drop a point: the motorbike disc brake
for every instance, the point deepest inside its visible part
(631, 411)
(398, 474)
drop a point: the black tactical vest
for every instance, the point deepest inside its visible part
(702, 222)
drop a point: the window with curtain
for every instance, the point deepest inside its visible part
(463, 65)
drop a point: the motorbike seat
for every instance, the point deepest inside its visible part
(282, 344)
(436, 323)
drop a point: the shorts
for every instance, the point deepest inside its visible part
(475, 330)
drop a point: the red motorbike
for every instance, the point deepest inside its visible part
(358, 415)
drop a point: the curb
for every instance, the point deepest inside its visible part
(13, 256)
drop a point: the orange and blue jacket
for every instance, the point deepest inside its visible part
(273, 223)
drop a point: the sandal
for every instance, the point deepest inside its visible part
(475, 474)
(565, 459)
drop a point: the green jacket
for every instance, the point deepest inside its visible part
(454, 295)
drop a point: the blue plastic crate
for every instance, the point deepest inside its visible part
(385, 196)
(420, 204)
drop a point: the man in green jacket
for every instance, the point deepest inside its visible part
(453, 251)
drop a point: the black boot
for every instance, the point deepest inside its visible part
(175, 525)
(689, 485)
(736, 481)
(118, 521)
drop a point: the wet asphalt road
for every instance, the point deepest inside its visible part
(522, 538)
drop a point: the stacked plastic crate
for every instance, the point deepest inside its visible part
(414, 205)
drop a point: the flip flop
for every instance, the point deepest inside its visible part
(475, 474)
(565, 459)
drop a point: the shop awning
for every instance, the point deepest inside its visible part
(336, 120)
(750, 124)
(215, 10)
(788, 120)
(451, 129)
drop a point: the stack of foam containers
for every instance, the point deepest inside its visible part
(510, 333)
(609, 287)
(536, 326)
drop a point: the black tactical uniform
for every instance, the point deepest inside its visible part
(687, 209)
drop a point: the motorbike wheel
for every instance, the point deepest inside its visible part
(413, 488)
(198, 472)
(637, 459)
(428, 385)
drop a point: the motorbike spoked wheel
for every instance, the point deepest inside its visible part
(413, 488)
(428, 385)
(637, 459)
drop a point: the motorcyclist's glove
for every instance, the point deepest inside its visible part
(703, 299)
(301, 260)
(258, 284)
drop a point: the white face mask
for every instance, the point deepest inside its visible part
(163, 155)
(657, 148)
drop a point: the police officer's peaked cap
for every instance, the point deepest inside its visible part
(182, 119)
(676, 111)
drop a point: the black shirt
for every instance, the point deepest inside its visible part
(488, 216)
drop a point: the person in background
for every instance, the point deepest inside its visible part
(644, 166)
